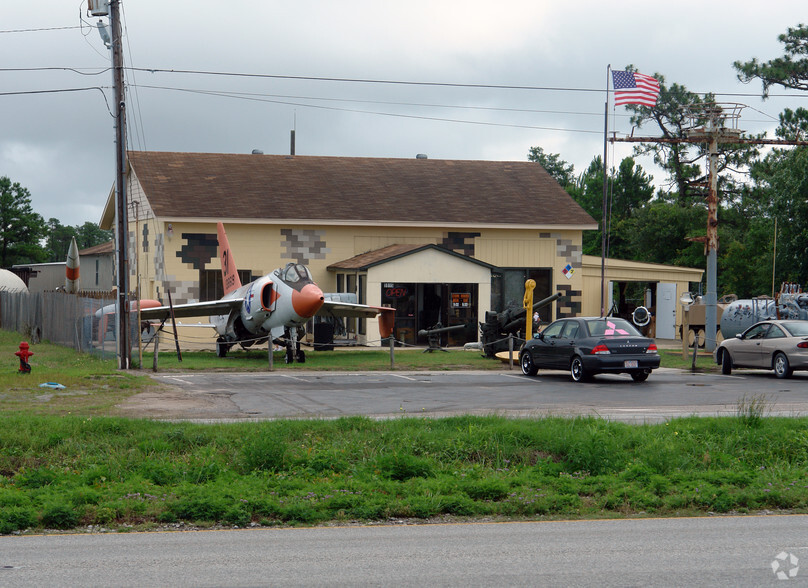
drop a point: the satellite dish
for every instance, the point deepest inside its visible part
(641, 316)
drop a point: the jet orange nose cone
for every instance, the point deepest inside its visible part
(308, 301)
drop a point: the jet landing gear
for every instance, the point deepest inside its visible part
(222, 347)
(293, 350)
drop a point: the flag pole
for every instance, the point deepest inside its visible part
(603, 219)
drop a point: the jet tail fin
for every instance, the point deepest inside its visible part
(230, 279)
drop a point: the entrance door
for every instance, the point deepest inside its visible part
(666, 310)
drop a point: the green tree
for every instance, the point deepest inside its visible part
(789, 71)
(783, 175)
(677, 111)
(562, 172)
(59, 237)
(58, 240)
(629, 189)
(90, 234)
(21, 229)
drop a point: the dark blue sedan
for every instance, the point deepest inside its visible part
(590, 345)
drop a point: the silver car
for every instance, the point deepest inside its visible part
(776, 345)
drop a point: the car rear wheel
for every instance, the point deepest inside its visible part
(577, 371)
(639, 376)
(528, 367)
(782, 369)
(726, 363)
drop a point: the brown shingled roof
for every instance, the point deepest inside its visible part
(365, 260)
(108, 247)
(353, 189)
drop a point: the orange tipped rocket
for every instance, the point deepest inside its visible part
(72, 269)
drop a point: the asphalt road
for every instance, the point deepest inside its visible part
(720, 551)
(666, 394)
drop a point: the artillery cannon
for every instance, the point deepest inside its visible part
(433, 334)
(498, 325)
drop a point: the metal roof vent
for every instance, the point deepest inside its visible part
(257, 152)
(422, 156)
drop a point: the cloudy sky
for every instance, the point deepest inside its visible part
(467, 80)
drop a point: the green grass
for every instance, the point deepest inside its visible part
(92, 386)
(67, 472)
(347, 359)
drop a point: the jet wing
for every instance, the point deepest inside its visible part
(210, 308)
(349, 309)
(342, 309)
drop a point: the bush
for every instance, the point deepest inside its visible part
(60, 516)
(17, 519)
(487, 489)
(403, 467)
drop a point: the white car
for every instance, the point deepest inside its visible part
(779, 345)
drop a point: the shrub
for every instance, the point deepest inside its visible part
(16, 519)
(60, 516)
(403, 467)
(486, 489)
(37, 478)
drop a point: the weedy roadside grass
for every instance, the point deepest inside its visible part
(72, 472)
(65, 464)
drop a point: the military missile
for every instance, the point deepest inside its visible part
(72, 269)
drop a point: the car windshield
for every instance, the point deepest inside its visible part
(797, 328)
(611, 327)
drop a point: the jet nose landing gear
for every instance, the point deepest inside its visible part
(293, 350)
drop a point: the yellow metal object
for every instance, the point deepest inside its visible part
(527, 304)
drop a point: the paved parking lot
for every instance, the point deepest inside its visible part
(300, 394)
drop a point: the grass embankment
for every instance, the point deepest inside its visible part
(67, 472)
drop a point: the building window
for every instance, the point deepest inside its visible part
(340, 282)
(210, 283)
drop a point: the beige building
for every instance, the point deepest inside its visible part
(441, 241)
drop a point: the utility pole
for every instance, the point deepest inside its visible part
(713, 130)
(122, 223)
(713, 118)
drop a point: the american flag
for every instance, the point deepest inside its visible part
(634, 88)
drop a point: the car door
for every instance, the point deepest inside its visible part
(565, 344)
(747, 351)
(544, 352)
(773, 341)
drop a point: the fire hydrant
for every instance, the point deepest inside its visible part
(24, 353)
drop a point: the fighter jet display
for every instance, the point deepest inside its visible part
(273, 308)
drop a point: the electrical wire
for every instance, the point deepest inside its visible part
(39, 30)
(138, 117)
(58, 91)
(390, 114)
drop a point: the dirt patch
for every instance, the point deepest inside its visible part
(173, 402)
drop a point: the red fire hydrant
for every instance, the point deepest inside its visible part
(24, 353)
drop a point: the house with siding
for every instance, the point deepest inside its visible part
(442, 241)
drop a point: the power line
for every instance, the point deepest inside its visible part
(390, 114)
(365, 81)
(39, 30)
(73, 69)
(247, 95)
